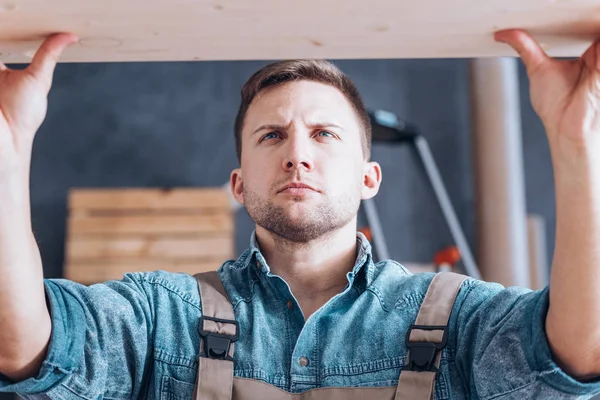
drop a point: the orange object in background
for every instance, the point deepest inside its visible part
(449, 255)
(443, 260)
(446, 258)
(365, 230)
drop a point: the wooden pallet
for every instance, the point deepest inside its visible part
(113, 231)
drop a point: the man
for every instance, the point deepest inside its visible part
(313, 309)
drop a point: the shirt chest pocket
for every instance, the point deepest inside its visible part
(173, 389)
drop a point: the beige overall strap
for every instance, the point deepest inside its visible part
(417, 379)
(215, 361)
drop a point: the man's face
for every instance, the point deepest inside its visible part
(303, 170)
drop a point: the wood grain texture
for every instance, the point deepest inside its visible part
(134, 199)
(114, 231)
(150, 224)
(172, 30)
(84, 248)
(103, 270)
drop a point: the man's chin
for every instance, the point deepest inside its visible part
(299, 212)
(296, 220)
(299, 231)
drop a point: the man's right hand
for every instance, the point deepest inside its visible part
(25, 324)
(23, 104)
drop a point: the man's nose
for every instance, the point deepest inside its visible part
(298, 155)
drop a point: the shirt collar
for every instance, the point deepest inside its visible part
(364, 258)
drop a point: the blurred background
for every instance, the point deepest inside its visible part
(154, 125)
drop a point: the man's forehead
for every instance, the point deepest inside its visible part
(300, 88)
(310, 102)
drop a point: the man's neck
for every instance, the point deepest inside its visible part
(315, 271)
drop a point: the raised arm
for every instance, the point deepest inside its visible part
(25, 325)
(566, 96)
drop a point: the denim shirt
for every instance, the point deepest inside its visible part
(138, 337)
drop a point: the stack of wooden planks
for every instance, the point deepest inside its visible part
(113, 231)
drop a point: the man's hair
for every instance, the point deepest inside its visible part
(295, 70)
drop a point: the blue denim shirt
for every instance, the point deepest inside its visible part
(138, 337)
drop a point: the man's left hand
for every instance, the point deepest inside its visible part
(564, 93)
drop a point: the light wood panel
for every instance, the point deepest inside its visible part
(128, 199)
(140, 247)
(149, 224)
(169, 30)
(104, 270)
(113, 231)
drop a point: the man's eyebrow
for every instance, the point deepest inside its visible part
(269, 127)
(312, 126)
(325, 125)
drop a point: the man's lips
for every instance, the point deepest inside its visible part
(297, 188)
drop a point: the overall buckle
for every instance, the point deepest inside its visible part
(423, 354)
(216, 345)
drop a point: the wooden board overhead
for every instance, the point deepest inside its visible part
(173, 30)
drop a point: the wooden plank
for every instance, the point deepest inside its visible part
(79, 248)
(130, 199)
(88, 273)
(417, 268)
(148, 224)
(171, 30)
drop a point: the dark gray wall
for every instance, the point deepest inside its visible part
(170, 124)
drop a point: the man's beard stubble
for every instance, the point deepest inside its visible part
(323, 218)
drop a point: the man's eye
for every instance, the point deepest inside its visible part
(326, 133)
(269, 135)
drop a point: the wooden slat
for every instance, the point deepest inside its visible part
(113, 231)
(217, 223)
(88, 273)
(172, 30)
(133, 199)
(142, 247)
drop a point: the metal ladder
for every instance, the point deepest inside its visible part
(389, 129)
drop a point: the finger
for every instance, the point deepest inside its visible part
(596, 46)
(529, 49)
(3, 66)
(591, 57)
(45, 59)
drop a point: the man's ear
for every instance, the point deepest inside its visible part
(237, 185)
(371, 179)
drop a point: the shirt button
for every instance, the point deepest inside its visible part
(303, 361)
(290, 304)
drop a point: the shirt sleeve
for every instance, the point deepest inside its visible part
(99, 345)
(502, 348)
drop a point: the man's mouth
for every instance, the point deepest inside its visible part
(297, 188)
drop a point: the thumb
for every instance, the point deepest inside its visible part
(529, 49)
(45, 59)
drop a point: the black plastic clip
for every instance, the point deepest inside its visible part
(423, 354)
(216, 345)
